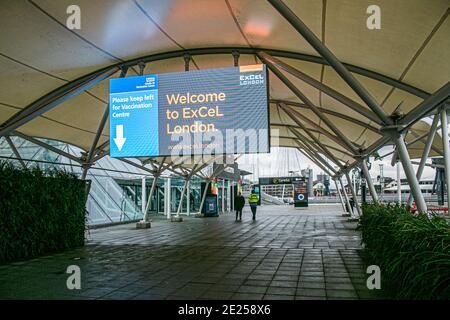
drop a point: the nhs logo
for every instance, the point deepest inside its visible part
(150, 82)
(251, 79)
(146, 82)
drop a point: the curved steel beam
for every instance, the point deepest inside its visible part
(330, 112)
(314, 160)
(318, 143)
(282, 54)
(315, 152)
(355, 106)
(53, 99)
(299, 94)
(290, 126)
(72, 88)
(293, 114)
(365, 153)
(312, 142)
(334, 62)
(426, 106)
(48, 147)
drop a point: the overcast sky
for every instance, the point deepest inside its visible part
(282, 160)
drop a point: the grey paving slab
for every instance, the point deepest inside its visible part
(311, 292)
(286, 254)
(278, 297)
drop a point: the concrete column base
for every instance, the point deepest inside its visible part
(176, 219)
(143, 225)
(346, 215)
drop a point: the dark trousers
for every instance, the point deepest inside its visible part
(239, 213)
(253, 211)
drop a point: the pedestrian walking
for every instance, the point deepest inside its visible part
(239, 203)
(253, 201)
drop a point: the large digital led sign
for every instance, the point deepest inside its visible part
(213, 111)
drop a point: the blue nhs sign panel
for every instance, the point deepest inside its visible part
(133, 110)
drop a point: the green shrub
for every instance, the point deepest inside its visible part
(412, 251)
(40, 212)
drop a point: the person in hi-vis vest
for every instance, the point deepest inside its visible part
(253, 201)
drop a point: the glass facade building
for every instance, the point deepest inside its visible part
(116, 190)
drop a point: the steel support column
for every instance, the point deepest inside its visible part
(315, 157)
(180, 205)
(355, 199)
(15, 151)
(295, 113)
(350, 210)
(340, 196)
(309, 155)
(350, 146)
(90, 154)
(368, 151)
(419, 138)
(322, 87)
(303, 143)
(48, 147)
(187, 179)
(314, 138)
(229, 209)
(223, 196)
(100, 128)
(143, 195)
(315, 42)
(204, 196)
(366, 172)
(188, 198)
(410, 175)
(327, 111)
(168, 199)
(314, 160)
(426, 106)
(444, 128)
(425, 153)
(422, 139)
(149, 201)
(399, 184)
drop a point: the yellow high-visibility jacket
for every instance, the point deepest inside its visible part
(253, 199)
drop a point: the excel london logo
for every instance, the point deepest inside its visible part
(251, 79)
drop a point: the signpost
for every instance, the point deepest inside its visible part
(257, 190)
(276, 180)
(300, 186)
(300, 192)
(185, 113)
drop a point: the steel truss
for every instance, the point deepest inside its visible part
(391, 131)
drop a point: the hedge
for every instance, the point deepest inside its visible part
(40, 212)
(412, 251)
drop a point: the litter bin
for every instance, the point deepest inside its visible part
(210, 206)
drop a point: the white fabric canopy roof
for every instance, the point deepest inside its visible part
(38, 54)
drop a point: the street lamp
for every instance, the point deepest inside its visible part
(381, 181)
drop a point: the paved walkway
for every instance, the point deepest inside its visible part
(286, 254)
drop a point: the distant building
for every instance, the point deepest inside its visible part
(325, 180)
(308, 173)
